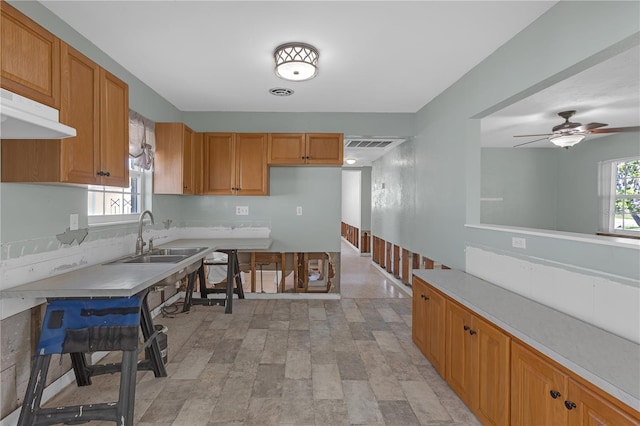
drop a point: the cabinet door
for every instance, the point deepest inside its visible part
(324, 148)
(80, 108)
(252, 177)
(493, 392)
(286, 148)
(538, 390)
(419, 315)
(436, 329)
(168, 175)
(219, 168)
(114, 130)
(461, 352)
(197, 153)
(593, 410)
(187, 161)
(29, 58)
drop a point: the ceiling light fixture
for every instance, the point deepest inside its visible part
(296, 61)
(567, 140)
(350, 161)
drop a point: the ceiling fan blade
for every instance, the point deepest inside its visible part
(532, 136)
(617, 130)
(527, 143)
(588, 126)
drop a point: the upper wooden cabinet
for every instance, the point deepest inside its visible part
(428, 323)
(29, 58)
(305, 148)
(175, 170)
(96, 104)
(235, 164)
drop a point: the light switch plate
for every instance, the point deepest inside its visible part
(73, 222)
(299, 211)
(242, 210)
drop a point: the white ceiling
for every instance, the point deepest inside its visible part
(605, 93)
(375, 56)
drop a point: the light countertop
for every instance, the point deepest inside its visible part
(125, 279)
(608, 361)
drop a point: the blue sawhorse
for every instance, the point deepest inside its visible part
(81, 326)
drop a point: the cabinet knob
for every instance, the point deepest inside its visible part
(466, 328)
(472, 332)
(555, 394)
(302, 158)
(107, 174)
(100, 173)
(570, 405)
(426, 298)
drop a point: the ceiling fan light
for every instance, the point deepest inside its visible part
(566, 141)
(296, 61)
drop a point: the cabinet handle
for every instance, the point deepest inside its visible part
(555, 394)
(426, 298)
(100, 173)
(466, 328)
(472, 332)
(107, 174)
(570, 405)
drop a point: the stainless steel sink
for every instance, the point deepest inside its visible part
(166, 255)
(177, 251)
(154, 258)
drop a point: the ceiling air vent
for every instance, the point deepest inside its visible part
(369, 143)
(281, 91)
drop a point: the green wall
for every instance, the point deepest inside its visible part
(569, 38)
(549, 188)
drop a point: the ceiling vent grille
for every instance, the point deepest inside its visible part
(368, 143)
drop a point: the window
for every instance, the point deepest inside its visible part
(620, 196)
(114, 204)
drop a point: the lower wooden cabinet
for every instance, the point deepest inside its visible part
(477, 364)
(538, 389)
(429, 323)
(502, 380)
(544, 393)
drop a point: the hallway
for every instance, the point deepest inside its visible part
(293, 362)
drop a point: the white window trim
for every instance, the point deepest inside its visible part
(146, 177)
(607, 197)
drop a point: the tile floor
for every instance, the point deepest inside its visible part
(293, 362)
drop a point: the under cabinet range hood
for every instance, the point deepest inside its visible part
(22, 118)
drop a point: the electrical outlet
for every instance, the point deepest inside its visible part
(518, 242)
(73, 222)
(242, 210)
(299, 210)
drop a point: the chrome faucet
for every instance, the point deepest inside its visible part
(140, 242)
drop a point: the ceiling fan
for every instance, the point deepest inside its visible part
(567, 134)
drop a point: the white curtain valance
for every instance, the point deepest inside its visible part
(142, 140)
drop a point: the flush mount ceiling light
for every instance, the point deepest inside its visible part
(567, 140)
(350, 161)
(296, 61)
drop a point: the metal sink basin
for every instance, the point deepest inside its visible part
(177, 251)
(154, 258)
(166, 255)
